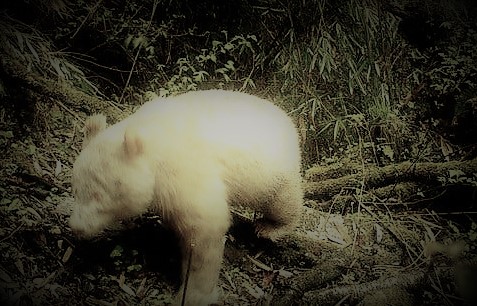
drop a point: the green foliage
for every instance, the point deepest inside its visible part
(117, 252)
(214, 63)
(35, 52)
(348, 70)
(122, 257)
(355, 64)
(456, 65)
(343, 76)
(343, 69)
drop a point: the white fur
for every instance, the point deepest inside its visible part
(188, 158)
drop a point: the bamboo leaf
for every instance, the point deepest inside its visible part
(32, 50)
(336, 130)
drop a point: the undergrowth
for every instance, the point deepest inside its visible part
(353, 77)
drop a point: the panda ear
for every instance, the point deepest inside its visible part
(93, 125)
(133, 144)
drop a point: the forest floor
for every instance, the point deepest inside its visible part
(344, 252)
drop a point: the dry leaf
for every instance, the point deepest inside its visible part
(125, 287)
(336, 231)
(19, 265)
(430, 233)
(58, 168)
(33, 212)
(379, 232)
(284, 273)
(446, 148)
(5, 277)
(256, 292)
(141, 290)
(268, 278)
(38, 168)
(67, 255)
(259, 264)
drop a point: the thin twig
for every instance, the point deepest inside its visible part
(186, 280)
(12, 233)
(137, 53)
(86, 18)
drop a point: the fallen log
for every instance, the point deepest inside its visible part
(369, 176)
